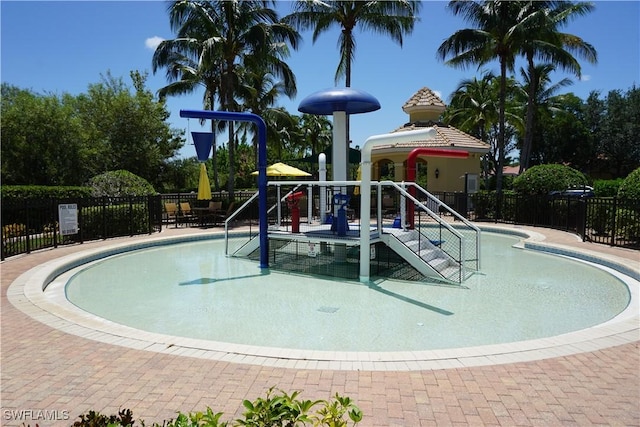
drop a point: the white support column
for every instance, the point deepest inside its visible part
(279, 206)
(403, 209)
(309, 204)
(339, 149)
(365, 190)
(322, 176)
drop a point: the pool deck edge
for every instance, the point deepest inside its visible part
(25, 293)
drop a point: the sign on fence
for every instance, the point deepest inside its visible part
(68, 218)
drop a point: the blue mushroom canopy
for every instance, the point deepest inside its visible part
(328, 101)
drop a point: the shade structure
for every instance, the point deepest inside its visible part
(282, 169)
(347, 99)
(204, 188)
(340, 102)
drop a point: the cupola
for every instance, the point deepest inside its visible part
(424, 106)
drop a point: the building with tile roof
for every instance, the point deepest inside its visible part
(441, 174)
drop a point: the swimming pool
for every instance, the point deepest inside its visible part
(192, 290)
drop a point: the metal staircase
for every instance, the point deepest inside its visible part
(435, 240)
(423, 255)
(430, 244)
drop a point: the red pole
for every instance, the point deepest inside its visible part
(411, 170)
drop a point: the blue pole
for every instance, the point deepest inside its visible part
(262, 165)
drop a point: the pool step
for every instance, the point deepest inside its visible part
(424, 255)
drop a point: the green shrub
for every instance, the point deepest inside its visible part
(15, 192)
(274, 410)
(120, 183)
(96, 419)
(542, 179)
(285, 410)
(122, 220)
(507, 183)
(484, 204)
(599, 216)
(630, 187)
(606, 187)
(628, 224)
(196, 419)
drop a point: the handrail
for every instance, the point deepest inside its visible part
(440, 203)
(296, 184)
(454, 213)
(421, 205)
(283, 198)
(442, 223)
(460, 237)
(231, 217)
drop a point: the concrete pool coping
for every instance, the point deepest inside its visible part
(55, 311)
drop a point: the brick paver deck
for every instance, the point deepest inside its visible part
(47, 373)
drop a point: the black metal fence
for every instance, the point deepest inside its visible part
(29, 225)
(607, 220)
(239, 196)
(32, 224)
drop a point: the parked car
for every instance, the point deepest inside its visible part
(574, 192)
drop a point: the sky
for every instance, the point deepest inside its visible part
(57, 47)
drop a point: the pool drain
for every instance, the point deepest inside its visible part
(325, 309)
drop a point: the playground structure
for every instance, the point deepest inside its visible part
(333, 237)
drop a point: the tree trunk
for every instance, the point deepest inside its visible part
(214, 156)
(525, 152)
(501, 120)
(232, 156)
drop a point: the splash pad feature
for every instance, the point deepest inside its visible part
(339, 102)
(452, 263)
(262, 165)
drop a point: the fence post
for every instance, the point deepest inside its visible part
(54, 208)
(80, 218)
(581, 218)
(27, 216)
(614, 231)
(104, 217)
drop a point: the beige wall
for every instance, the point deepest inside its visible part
(451, 171)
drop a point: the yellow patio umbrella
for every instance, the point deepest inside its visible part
(204, 188)
(282, 169)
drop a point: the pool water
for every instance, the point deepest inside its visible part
(193, 290)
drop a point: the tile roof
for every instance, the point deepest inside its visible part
(446, 137)
(425, 97)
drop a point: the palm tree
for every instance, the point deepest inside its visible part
(316, 131)
(547, 42)
(474, 108)
(191, 63)
(392, 18)
(224, 34)
(501, 27)
(544, 101)
(260, 89)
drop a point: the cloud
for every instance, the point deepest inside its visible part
(585, 78)
(438, 93)
(153, 42)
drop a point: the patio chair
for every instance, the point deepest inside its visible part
(209, 214)
(171, 210)
(186, 213)
(223, 215)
